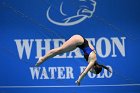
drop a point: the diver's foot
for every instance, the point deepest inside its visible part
(77, 83)
(39, 62)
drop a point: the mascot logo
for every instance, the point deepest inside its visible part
(66, 18)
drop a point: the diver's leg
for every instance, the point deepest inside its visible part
(69, 45)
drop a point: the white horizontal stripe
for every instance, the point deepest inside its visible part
(115, 85)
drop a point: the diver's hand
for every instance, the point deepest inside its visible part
(77, 83)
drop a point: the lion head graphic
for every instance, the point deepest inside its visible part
(85, 10)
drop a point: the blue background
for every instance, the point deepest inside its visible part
(26, 19)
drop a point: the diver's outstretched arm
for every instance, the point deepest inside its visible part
(83, 74)
(92, 59)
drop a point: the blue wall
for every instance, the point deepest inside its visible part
(26, 33)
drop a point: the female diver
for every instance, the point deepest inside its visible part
(89, 54)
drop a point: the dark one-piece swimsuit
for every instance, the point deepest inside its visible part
(86, 49)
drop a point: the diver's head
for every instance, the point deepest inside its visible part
(97, 68)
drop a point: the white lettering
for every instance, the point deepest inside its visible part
(104, 47)
(121, 47)
(69, 73)
(39, 47)
(52, 70)
(44, 74)
(107, 47)
(35, 72)
(22, 45)
(61, 74)
(52, 73)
